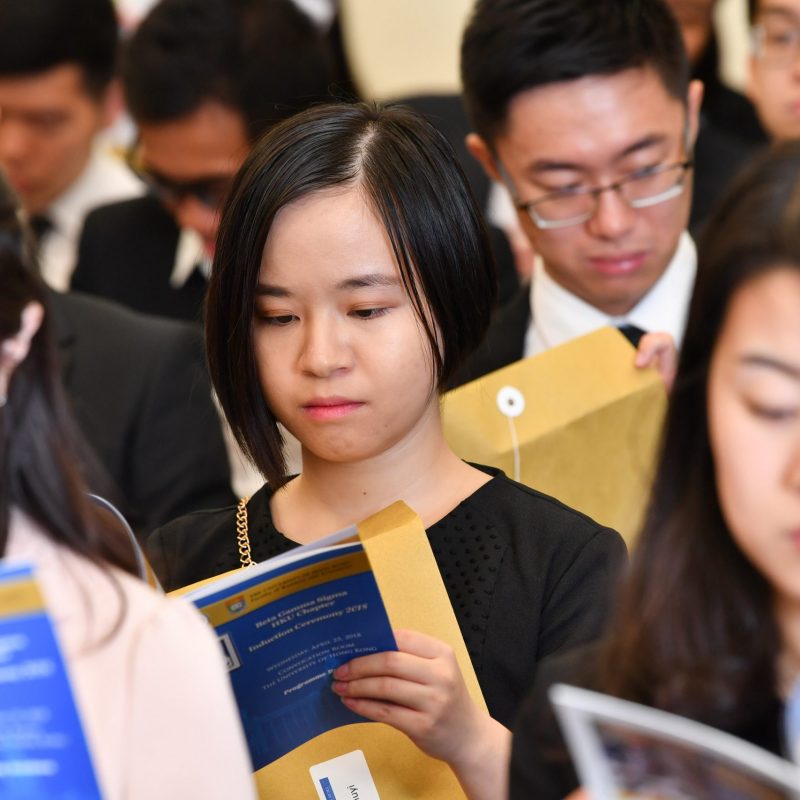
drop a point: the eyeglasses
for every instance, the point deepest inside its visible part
(776, 42)
(211, 191)
(642, 189)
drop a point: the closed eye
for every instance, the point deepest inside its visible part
(773, 413)
(643, 172)
(279, 320)
(369, 313)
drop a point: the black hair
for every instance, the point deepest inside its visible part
(44, 464)
(510, 46)
(39, 35)
(262, 58)
(409, 175)
(705, 647)
(752, 10)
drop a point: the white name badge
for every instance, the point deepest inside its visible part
(345, 777)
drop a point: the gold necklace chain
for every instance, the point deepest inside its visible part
(242, 534)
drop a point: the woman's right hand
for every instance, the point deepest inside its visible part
(419, 690)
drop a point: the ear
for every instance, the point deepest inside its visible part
(15, 349)
(113, 103)
(694, 101)
(482, 153)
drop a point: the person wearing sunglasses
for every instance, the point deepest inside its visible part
(585, 112)
(203, 79)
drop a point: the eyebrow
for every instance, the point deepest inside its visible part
(547, 165)
(759, 360)
(348, 284)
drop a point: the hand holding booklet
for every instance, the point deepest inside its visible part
(286, 624)
(625, 750)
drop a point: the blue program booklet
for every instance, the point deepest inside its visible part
(284, 626)
(43, 750)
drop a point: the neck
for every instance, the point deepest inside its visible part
(421, 470)
(788, 615)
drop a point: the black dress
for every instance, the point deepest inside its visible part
(527, 576)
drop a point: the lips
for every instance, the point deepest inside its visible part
(618, 264)
(331, 408)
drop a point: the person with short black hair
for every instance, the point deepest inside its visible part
(203, 80)
(57, 92)
(585, 112)
(352, 276)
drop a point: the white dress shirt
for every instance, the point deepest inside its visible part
(190, 255)
(558, 315)
(105, 180)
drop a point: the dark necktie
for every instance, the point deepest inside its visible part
(632, 333)
(40, 226)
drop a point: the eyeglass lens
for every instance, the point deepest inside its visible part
(656, 185)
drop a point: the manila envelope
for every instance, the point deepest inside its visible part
(415, 598)
(578, 422)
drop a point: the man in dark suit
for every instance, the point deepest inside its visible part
(586, 113)
(203, 79)
(142, 399)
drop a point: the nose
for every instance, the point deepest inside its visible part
(190, 213)
(613, 217)
(325, 348)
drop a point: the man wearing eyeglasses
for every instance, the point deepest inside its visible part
(203, 79)
(775, 66)
(585, 112)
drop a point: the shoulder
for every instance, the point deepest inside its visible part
(133, 212)
(168, 640)
(525, 513)
(200, 545)
(94, 319)
(193, 547)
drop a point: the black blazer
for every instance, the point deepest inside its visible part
(504, 342)
(126, 254)
(142, 398)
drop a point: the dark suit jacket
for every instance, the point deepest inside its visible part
(126, 254)
(142, 398)
(504, 342)
(718, 157)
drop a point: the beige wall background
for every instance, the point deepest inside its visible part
(731, 20)
(407, 47)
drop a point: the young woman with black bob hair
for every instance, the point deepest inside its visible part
(708, 622)
(128, 649)
(352, 275)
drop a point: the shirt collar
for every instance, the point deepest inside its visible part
(190, 255)
(558, 316)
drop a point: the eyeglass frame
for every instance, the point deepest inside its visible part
(544, 224)
(209, 192)
(757, 34)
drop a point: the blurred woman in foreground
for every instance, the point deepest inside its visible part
(146, 671)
